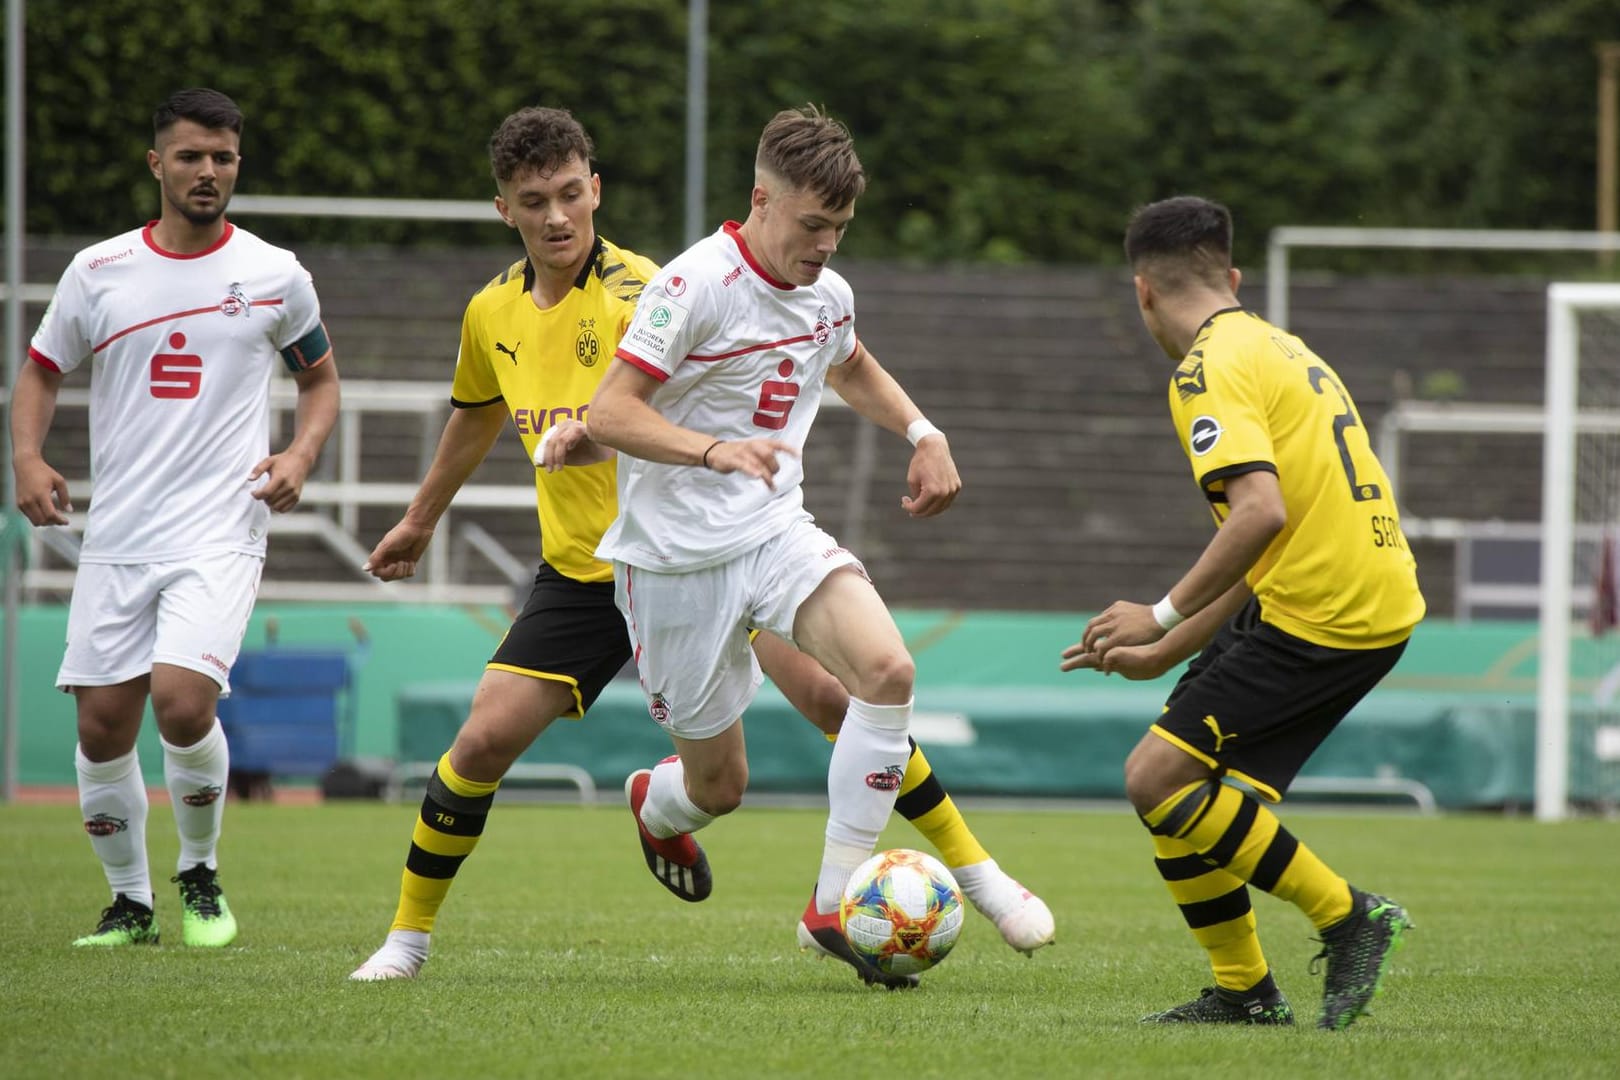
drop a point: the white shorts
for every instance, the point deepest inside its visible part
(125, 618)
(689, 631)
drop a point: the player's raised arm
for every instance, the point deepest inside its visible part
(871, 391)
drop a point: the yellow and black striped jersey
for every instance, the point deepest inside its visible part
(545, 365)
(1250, 396)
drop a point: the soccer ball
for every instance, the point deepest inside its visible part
(902, 911)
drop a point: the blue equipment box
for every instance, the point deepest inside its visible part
(282, 715)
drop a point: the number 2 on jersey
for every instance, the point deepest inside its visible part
(1347, 419)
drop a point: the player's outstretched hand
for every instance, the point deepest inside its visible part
(568, 442)
(42, 492)
(287, 472)
(1123, 624)
(932, 478)
(1131, 661)
(397, 554)
(751, 457)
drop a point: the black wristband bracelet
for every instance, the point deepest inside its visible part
(712, 445)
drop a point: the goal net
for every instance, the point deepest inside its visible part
(1578, 686)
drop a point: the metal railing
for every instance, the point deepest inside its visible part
(337, 528)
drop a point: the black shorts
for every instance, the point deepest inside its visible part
(1257, 702)
(569, 631)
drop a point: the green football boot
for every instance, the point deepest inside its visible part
(1218, 1005)
(126, 922)
(1357, 951)
(206, 920)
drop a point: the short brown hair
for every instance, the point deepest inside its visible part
(1177, 241)
(811, 151)
(202, 106)
(537, 139)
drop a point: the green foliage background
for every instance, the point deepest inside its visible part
(994, 130)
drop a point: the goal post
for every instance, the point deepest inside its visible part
(1580, 498)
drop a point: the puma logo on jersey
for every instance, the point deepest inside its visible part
(1220, 736)
(512, 352)
(1190, 378)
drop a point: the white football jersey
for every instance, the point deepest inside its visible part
(740, 356)
(182, 348)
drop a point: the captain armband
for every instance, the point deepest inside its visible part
(307, 351)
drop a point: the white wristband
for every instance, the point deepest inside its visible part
(920, 429)
(1166, 615)
(540, 447)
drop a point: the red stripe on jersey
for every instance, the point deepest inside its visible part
(42, 360)
(652, 369)
(766, 345)
(176, 315)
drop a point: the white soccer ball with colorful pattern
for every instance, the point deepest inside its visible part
(902, 911)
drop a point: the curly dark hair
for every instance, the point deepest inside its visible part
(537, 138)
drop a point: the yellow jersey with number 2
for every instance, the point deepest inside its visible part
(1249, 396)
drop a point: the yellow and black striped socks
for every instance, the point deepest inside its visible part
(454, 810)
(1232, 831)
(1210, 839)
(1216, 907)
(924, 803)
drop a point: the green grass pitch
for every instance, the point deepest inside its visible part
(558, 956)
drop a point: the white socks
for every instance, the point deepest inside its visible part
(196, 776)
(863, 778)
(112, 798)
(668, 809)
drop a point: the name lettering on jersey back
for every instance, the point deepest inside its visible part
(105, 260)
(536, 421)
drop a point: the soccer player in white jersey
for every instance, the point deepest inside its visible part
(181, 323)
(710, 398)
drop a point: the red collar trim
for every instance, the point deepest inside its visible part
(734, 230)
(146, 235)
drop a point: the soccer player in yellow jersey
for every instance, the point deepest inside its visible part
(538, 339)
(1300, 603)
